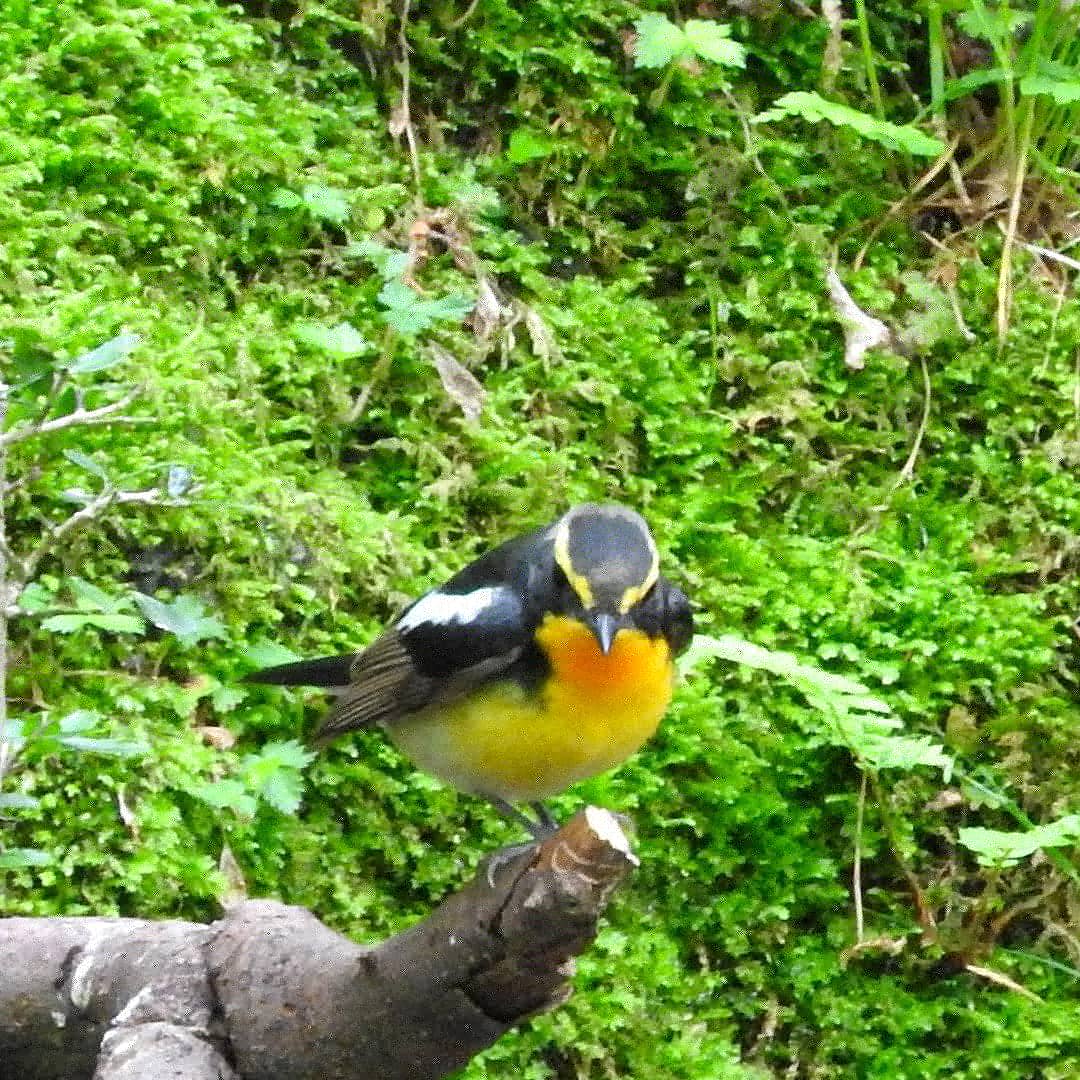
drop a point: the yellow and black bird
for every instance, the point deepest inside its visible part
(545, 661)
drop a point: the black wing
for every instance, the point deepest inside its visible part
(443, 646)
(453, 639)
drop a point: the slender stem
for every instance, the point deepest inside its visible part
(406, 106)
(93, 509)
(1019, 175)
(5, 746)
(936, 31)
(856, 873)
(868, 58)
(922, 911)
(378, 373)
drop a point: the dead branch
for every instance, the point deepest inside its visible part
(269, 992)
(80, 417)
(23, 570)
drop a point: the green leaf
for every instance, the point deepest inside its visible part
(226, 794)
(994, 847)
(904, 752)
(84, 461)
(327, 203)
(16, 801)
(185, 617)
(283, 791)
(526, 145)
(1063, 91)
(88, 597)
(105, 746)
(104, 356)
(285, 199)
(268, 654)
(972, 81)
(996, 25)
(274, 774)
(410, 314)
(70, 622)
(79, 720)
(35, 598)
(814, 108)
(659, 41)
(20, 858)
(389, 262)
(342, 340)
(740, 651)
(117, 624)
(65, 624)
(712, 41)
(854, 718)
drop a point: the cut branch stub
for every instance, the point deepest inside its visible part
(302, 1001)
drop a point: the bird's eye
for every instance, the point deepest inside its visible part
(678, 619)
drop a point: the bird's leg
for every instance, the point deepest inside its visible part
(545, 819)
(540, 829)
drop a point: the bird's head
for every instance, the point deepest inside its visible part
(610, 561)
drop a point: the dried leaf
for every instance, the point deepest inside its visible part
(488, 312)
(458, 383)
(236, 890)
(540, 335)
(862, 332)
(127, 815)
(399, 120)
(218, 737)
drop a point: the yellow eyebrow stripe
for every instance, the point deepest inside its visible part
(578, 582)
(637, 592)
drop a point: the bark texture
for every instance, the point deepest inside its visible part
(268, 992)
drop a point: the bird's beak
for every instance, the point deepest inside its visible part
(604, 628)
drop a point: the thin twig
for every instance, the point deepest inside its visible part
(6, 753)
(1000, 979)
(93, 509)
(927, 177)
(856, 873)
(81, 417)
(378, 373)
(908, 469)
(405, 108)
(1005, 289)
(922, 910)
(464, 16)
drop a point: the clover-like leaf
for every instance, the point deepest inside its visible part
(342, 340)
(185, 617)
(104, 356)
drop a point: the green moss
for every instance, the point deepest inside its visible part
(697, 371)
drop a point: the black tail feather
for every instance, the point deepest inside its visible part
(323, 671)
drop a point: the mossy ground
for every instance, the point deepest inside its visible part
(166, 170)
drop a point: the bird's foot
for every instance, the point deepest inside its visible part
(500, 860)
(541, 827)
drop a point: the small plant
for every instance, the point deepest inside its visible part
(814, 108)
(61, 407)
(660, 43)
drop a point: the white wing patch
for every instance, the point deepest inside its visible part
(439, 608)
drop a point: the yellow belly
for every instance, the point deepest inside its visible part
(592, 713)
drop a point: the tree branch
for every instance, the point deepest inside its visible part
(269, 992)
(24, 569)
(105, 414)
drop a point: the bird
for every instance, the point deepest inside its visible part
(547, 660)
